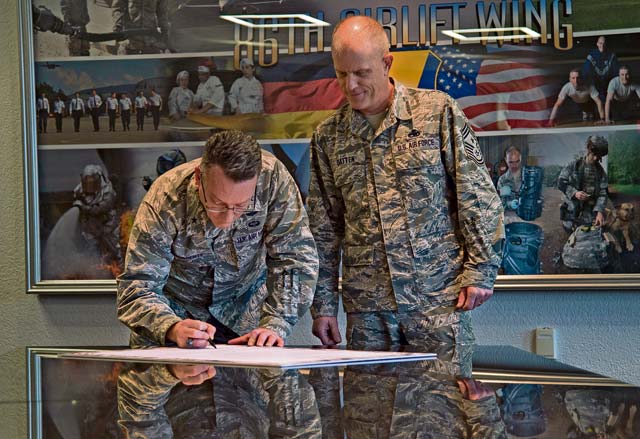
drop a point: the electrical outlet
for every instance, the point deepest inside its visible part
(546, 342)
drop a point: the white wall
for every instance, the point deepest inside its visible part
(596, 329)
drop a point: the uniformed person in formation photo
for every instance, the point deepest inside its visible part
(43, 107)
(140, 107)
(220, 247)
(125, 111)
(58, 111)
(400, 196)
(113, 107)
(77, 111)
(94, 103)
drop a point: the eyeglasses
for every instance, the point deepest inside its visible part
(237, 210)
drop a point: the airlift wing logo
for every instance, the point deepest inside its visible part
(406, 68)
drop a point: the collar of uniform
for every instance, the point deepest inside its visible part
(195, 210)
(400, 110)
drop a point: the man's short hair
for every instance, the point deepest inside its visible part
(511, 150)
(238, 154)
(371, 28)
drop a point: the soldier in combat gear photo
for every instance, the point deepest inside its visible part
(99, 224)
(584, 184)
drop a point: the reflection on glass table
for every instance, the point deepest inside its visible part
(468, 392)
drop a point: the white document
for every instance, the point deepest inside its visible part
(246, 356)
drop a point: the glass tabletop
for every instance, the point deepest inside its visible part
(468, 391)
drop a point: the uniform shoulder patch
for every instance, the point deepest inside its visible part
(471, 146)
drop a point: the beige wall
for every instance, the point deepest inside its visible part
(30, 320)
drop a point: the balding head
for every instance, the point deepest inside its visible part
(360, 52)
(358, 31)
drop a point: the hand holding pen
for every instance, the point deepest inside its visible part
(190, 333)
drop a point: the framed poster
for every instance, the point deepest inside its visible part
(115, 92)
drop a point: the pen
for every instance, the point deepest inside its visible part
(212, 343)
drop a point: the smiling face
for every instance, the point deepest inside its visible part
(574, 79)
(222, 196)
(625, 77)
(362, 62)
(363, 77)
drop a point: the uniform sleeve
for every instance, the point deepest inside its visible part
(173, 105)
(120, 14)
(292, 260)
(141, 304)
(326, 217)
(564, 91)
(215, 93)
(260, 103)
(233, 95)
(601, 202)
(480, 213)
(567, 182)
(162, 14)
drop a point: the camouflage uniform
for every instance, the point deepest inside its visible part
(508, 180)
(407, 400)
(592, 179)
(143, 14)
(412, 208)
(261, 271)
(509, 189)
(236, 403)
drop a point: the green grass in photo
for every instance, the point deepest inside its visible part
(593, 15)
(627, 189)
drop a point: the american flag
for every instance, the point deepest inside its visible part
(502, 89)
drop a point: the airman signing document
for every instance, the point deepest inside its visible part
(220, 249)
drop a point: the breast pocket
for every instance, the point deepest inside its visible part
(421, 177)
(351, 180)
(423, 183)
